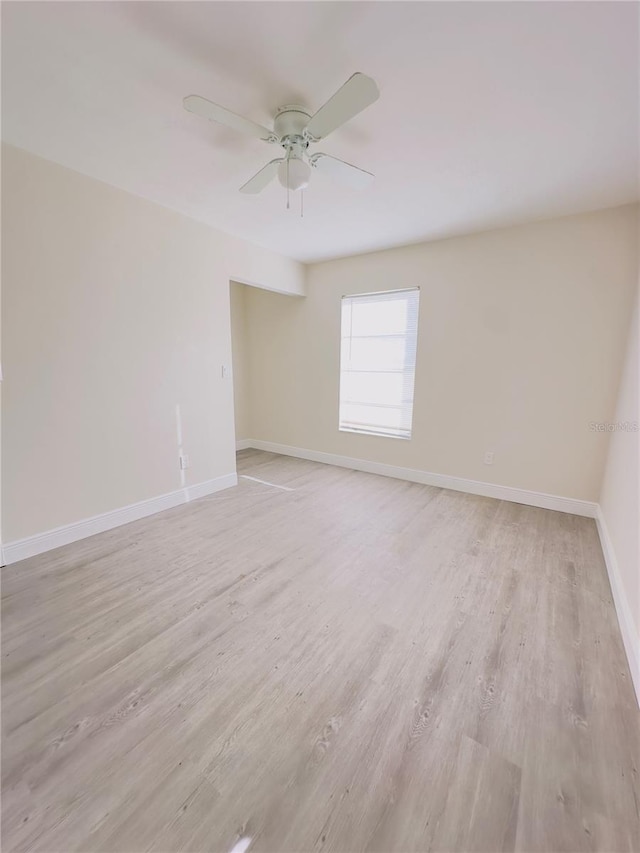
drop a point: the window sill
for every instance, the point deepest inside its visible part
(376, 434)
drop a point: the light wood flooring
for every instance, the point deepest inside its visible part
(359, 663)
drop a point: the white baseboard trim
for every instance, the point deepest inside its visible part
(20, 549)
(443, 481)
(243, 444)
(630, 638)
(209, 487)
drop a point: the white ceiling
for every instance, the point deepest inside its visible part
(490, 113)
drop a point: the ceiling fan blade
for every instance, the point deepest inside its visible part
(260, 180)
(214, 112)
(357, 93)
(342, 172)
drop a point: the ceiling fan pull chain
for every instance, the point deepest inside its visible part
(301, 204)
(287, 180)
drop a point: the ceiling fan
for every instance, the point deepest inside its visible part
(295, 129)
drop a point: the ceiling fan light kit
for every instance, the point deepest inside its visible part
(295, 129)
(294, 174)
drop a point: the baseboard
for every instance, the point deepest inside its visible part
(627, 628)
(443, 481)
(243, 444)
(209, 487)
(41, 542)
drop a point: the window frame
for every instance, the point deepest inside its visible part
(404, 434)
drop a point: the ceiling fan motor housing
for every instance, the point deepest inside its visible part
(290, 122)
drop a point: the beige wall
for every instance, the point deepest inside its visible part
(520, 345)
(620, 497)
(240, 355)
(114, 311)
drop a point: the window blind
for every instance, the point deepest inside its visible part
(378, 362)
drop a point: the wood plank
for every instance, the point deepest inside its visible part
(360, 663)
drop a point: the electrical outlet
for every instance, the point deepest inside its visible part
(184, 462)
(488, 457)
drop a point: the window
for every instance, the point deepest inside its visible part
(378, 362)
